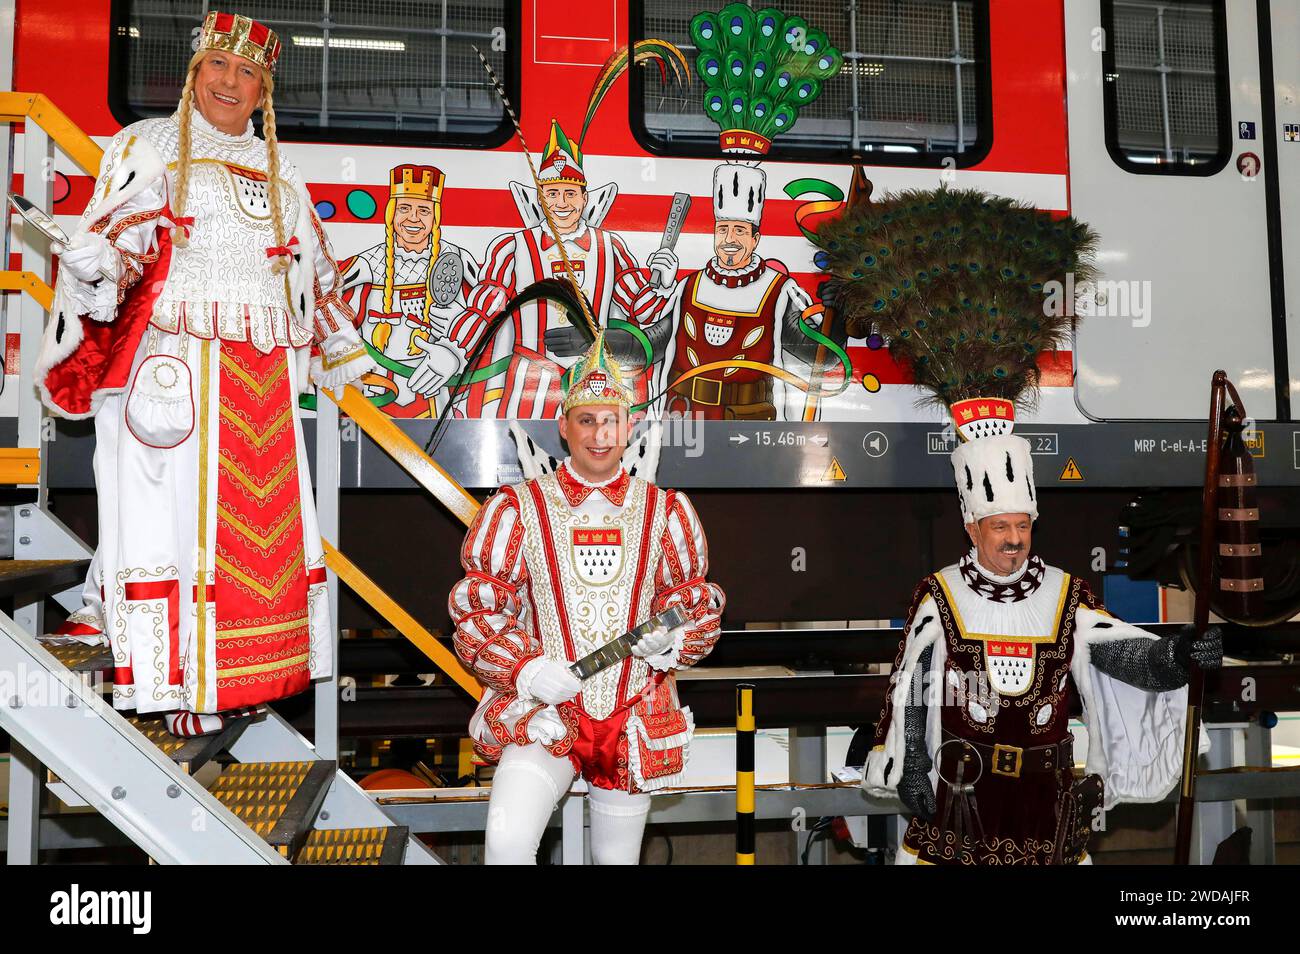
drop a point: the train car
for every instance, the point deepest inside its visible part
(1156, 125)
(1171, 129)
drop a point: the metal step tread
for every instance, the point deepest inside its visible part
(354, 846)
(278, 800)
(78, 657)
(40, 576)
(189, 754)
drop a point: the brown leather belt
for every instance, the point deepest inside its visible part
(710, 391)
(1011, 761)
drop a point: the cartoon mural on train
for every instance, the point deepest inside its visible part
(732, 338)
(923, 95)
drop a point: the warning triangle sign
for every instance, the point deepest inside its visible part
(834, 471)
(1071, 471)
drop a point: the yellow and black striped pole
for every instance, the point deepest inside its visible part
(744, 774)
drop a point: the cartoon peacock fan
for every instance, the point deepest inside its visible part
(759, 68)
(961, 282)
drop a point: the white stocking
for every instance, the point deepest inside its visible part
(617, 824)
(528, 783)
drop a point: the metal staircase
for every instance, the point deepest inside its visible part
(274, 801)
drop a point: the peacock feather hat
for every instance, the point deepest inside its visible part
(759, 68)
(596, 380)
(968, 289)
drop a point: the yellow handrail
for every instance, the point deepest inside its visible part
(80, 148)
(28, 282)
(407, 454)
(85, 153)
(20, 465)
(405, 623)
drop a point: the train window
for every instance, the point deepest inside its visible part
(392, 71)
(1166, 85)
(913, 88)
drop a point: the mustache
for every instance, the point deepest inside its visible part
(1011, 548)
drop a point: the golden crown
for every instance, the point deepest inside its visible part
(232, 33)
(420, 182)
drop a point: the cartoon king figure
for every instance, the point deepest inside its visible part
(408, 288)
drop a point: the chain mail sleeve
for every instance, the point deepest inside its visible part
(1146, 661)
(902, 742)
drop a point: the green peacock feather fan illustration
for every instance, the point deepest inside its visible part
(960, 282)
(759, 68)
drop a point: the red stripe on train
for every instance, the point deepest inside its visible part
(1056, 367)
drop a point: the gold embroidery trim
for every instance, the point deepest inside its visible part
(258, 440)
(329, 362)
(261, 589)
(265, 667)
(260, 388)
(202, 609)
(245, 632)
(260, 491)
(1002, 637)
(250, 534)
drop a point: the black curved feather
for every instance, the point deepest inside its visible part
(548, 289)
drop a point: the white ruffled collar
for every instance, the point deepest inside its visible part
(408, 255)
(574, 236)
(755, 264)
(200, 125)
(568, 465)
(988, 574)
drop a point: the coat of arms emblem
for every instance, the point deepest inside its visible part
(1011, 665)
(597, 553)
(251, 191)
(718, 329)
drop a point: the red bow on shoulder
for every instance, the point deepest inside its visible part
(277, 250)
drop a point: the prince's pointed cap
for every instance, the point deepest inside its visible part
(596, 381)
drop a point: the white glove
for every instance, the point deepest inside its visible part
(653, 642)
(438, 364)
(546, 727)
(660, 647)
(663, 267)
(98, 301)
(547, 681)
(342, 360)
(86, 254)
